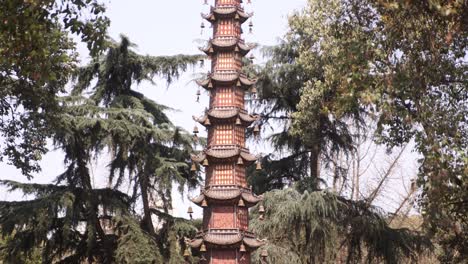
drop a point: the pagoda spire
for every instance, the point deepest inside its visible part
(226, 198)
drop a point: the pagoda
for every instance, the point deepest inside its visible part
(226, 197)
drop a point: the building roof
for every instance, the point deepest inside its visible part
(220, 238)
(226, 78)
(217, 114)
(227, 193)
(225, 153)
(227, 11)
(227, 44)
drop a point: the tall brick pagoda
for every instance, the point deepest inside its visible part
(226, 198)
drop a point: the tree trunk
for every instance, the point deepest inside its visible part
(147, 222)
(315, 167)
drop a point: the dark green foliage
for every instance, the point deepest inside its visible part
(71, 220)
(282, 82)
(405, 64)
(319, 227)
(400, 63)
(36, 60)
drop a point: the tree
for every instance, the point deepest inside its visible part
(152, 166)
(37, 58)
(320, 227)
(405, 64)
(282, 84)
(73, 220)
(428, 95)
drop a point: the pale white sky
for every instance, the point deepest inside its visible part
(173, 27)
(167, 28)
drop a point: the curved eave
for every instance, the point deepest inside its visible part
(230, 44)
(215, 115)
(223, 240)
(253, 243)
(223, 195)
(227, 12)
(226, 79)
(224, 154)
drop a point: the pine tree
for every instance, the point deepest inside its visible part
(320, 227)
(71, 220)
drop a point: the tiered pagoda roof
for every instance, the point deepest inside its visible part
(226, 238)
(219, 114)
(227, 193)
(226, 78)
(225, 153)
(230, 43)
(236, 12)
(225, 197)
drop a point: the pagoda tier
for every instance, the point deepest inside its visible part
(229, 194)
(226, 12)
(225, 197)
(225, 154)
(227, 44)
(226, 239)
(226, 78)
(225, 115)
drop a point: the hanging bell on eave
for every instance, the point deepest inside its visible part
(203, 247)
(186, 253)
(194, 167)
(240, 161)
(259, 165)
(195, 130)
(204, 203)
(236, 49)
(261, 209)
(206, 163)
(207, 122)
(256, 130)
(198, 96)
(190, 212)
(242, 248)
(250, 27)
(253, 90)
(202, 26)
(238, 122)
(251, 58)
(210, 85)
(239, 84)
(237, 17)
(241, 203)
